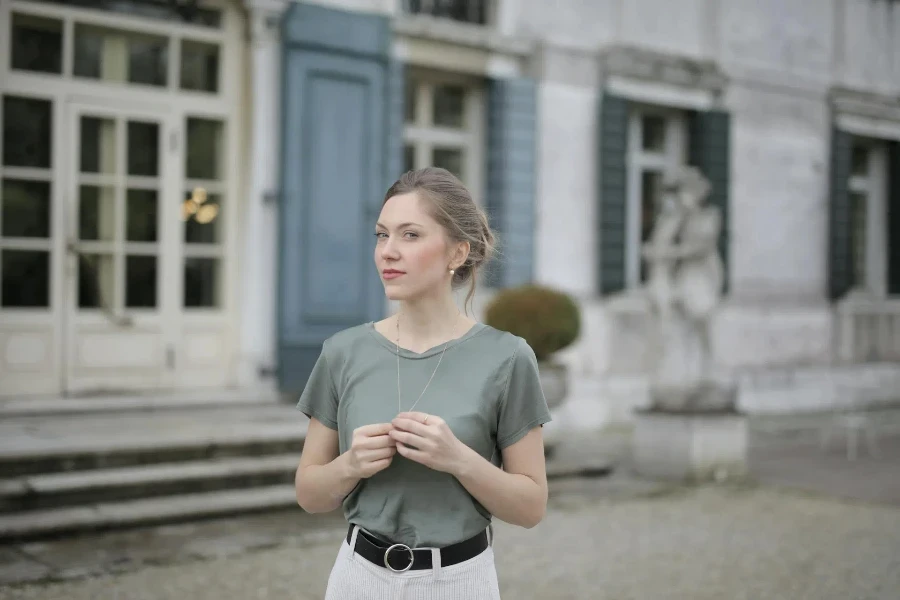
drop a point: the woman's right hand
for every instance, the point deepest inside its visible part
(371, 450)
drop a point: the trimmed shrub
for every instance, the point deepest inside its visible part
(549, 320)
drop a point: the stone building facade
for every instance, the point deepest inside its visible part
(295, 116)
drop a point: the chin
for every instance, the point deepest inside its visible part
(393, 292)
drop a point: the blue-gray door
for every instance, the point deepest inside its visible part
(332, 185)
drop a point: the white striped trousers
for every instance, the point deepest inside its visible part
(355, 578)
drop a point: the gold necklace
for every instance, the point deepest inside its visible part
(399, 403)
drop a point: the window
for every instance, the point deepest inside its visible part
(466, 11)
(165, 10)
(25, 202)
(657, 141)
(867, 189)
(443, 126)
(112, 54)
(200, 211)
(36, 44)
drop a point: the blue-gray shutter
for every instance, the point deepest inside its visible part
(511, 184)
(612, 204)
(334, 146)
(395, 112)
(840, 245)
(710, 151)
(893, 219)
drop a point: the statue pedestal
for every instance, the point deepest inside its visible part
(690, 447)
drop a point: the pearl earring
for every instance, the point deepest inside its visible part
(452, 271)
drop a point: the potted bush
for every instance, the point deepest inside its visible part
(549, 320)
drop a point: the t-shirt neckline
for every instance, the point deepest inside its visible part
(406, 353)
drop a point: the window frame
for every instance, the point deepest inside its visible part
(424, 136)
(874, 185)
(490, 14)
(638, 161)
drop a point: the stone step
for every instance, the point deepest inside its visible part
(56, 406)
(94, 517)
(126, 453)
(56, 490)
(41, 446)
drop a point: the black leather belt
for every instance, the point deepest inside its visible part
(400, 557)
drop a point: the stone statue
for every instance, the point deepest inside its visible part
(684, 285)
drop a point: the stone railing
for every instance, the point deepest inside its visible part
(868, 330)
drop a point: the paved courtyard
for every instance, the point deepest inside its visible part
(813, 525)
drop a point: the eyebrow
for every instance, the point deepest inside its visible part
(400, 226)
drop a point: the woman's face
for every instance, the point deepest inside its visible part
(412, 252)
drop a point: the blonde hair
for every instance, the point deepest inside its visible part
(455, 210)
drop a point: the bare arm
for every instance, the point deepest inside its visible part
(517, 493)
(324, 478)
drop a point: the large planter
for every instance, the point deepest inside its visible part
(554, 381)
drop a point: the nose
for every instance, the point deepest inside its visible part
(389, 249)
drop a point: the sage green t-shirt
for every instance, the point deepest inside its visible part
(488, 391)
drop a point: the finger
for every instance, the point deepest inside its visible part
(378, 441)
(373, 455)
(410, 425)
(419, 417)
(410, 439)
(415, 455)
(374, 429)
(380, 465)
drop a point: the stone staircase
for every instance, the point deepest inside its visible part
(63, 473)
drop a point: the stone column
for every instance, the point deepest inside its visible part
(259, 253)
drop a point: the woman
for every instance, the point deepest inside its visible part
(411, 417)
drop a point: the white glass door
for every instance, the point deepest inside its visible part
(121, 218)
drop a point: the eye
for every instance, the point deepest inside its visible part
(412, 234)
(378, 234)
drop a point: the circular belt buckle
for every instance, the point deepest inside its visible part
(411, 558)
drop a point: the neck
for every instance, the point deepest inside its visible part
(428, 318)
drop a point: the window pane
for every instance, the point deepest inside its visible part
(199, 66)
(858, 234)
(98, 145)
(467, 11)
(26, 278)
(201, 282)
(96, 280)
(651, 202)
(448, 158)
(96, 213)
(409, 158)
(653, 133)
(27, 124)
(26, 208)
(36, 44)
(859, 160)
(204, 149)
(449, 105)
(125, 56)
(201, 214)
(141, 216)
(171, 11)
(143, 149)
(140, 281)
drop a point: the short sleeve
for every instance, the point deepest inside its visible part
(319, 398)
(523, 406)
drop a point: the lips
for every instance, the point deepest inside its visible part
(391, 273)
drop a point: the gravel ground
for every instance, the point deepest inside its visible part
(696, 544)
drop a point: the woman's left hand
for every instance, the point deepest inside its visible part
(433, 444)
